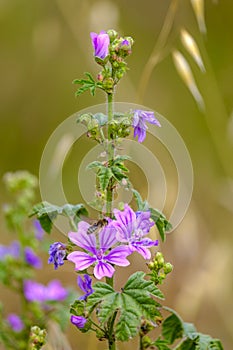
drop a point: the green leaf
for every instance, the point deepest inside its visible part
(94, 165)
(142, 205)
(163, 225)
(46, 213)
(161, 344)
(134, 302)
(120, 159)
(189, 328)
(118, 174)
(87, 84)
(199, 341)
(187, 344)
(207, 342)
(172, 327)
(104, 176)
(101, 118)
(77, 308)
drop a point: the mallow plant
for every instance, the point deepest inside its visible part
(95, 248)
(25, 324)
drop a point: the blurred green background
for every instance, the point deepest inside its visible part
(46, 44)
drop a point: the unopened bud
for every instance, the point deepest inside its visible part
(108, 83)
(131, 41)
(151, 265)
(112, 34)
(160, 259)
(168, 267)
(100, 77)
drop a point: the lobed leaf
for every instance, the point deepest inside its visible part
(46, 213)
(132, 303)
(172, 327)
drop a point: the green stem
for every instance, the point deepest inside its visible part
(111, 337)
(72, 224)
(109, 191)
(109, 281)
(140, 342)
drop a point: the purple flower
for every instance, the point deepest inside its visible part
(97, 253)
(12, 250)
(57, 252)
(85, 285)
(78, 321)
(15, 322)
(38, 292)
(139, 123)
(100, 43)
(39, 232)
(131, 228)
(31, 258)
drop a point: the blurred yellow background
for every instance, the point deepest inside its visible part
(46, 44)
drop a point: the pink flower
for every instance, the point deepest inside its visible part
(97, 253)
(100, 43)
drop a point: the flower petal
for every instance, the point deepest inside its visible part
(118, 256)
(146, 254)
(103, 270)
(82, 239)
(143, 221)
(81, 260)
(125, 220)
(78, 321)
(107, 237)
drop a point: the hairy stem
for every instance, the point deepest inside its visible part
(111, 336)
(109, 191)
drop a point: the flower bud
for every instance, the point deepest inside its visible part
(112, 34)
(168, 267)
(151, 265)
(160, 259)
(119, 74)
(108, 83)
(130, 40)
(100, 77)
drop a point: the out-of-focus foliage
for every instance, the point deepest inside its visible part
(45, 45)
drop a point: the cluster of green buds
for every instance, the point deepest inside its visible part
(110, 51)
(94, 124)
(120, 125)
(22, 185)
(37, 338)
(159, 268)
